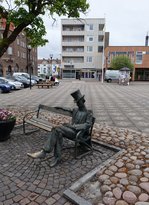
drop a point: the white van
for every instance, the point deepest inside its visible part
(20, 73)
(26, 75)
(112, 75)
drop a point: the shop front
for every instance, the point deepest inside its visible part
(142, 74)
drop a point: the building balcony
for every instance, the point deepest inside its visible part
(72, 43)
(71, 54)
(73, 33)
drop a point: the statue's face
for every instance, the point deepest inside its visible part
(80, 103)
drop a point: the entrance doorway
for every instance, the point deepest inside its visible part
(142, 75)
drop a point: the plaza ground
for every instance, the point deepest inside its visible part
(122, 119)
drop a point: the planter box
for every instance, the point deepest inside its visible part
(5, 129)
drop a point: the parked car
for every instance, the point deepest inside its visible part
(41, 79)
(36, 78)
(25, 75)
(15, 84)
(4, 81)
(56, 82)
(5, 88)
(23, 80)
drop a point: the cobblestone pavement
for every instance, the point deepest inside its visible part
(27, 181)
(115, 105)
(124, 181)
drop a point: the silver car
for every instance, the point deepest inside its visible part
(17, 85)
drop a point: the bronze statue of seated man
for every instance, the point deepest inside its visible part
(81, 121)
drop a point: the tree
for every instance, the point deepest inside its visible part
(26, 15)
(121, 61)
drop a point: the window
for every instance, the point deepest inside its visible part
(24, 55)
(18, 42)
(121, 53)
(90, 27)
(100, 38)
(139, 57)
(100, 49)
(89, 59)
(79, 49)
(101, 27)
(90, 39)
(44, 70)
(89, 48)
(9, 51)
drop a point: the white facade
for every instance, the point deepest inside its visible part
(82, 44)
(46, 67)
(43, 67)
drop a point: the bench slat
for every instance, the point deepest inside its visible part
(40, 123)
(55, 110)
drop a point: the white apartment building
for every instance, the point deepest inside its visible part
(82, 43)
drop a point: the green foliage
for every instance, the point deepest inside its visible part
(34, 32)
(27, 15)
(121, 61)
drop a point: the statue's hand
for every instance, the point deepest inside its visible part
(58, 107)
(80, 126)
(54, 125)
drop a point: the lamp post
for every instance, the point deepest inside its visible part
(29, 64)
(51, 56)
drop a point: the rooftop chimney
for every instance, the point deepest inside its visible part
(146, 40)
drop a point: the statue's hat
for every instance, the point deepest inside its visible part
(77, 95)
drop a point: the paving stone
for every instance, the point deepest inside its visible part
(17, 198)
(40, 199)
(50, 201)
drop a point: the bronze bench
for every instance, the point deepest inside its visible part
(36, 119)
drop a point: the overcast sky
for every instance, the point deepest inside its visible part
(126, 20)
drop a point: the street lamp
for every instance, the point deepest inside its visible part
(51, 56)
(29, 64)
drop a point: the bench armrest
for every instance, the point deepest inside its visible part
(29, 113)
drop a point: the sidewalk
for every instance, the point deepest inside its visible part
(121, 112)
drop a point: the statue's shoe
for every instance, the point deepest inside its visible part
(54, 162)
(37, 155)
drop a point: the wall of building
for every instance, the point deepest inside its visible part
(16, 58)
(139, 56)
(82, 44)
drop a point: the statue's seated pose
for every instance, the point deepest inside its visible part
(81, 120)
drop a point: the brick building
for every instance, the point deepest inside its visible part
(17, 58)
(139, 56)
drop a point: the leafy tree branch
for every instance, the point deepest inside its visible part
(26, 15)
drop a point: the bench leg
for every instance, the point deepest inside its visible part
(24, 127)
(85, 153)
(76, 153)
(28, 132)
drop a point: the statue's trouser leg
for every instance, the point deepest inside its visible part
(58, 147)
(55, 141)
(51, 142)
